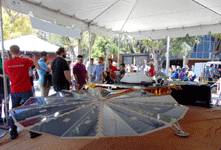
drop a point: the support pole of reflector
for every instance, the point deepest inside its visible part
(89, 41)
(167, 56)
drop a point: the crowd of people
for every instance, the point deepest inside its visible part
(21, 69)
(185, 73)
(175, 72)
(144, 68)
(61, 75)
(213, 73)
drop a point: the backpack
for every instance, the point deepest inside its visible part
(47, 79)
(107, 78)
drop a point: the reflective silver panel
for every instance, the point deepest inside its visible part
(98, 113)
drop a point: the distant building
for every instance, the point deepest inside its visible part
(201, 53)
(135, 58)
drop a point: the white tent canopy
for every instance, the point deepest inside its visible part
(138, 18)
(30, 43)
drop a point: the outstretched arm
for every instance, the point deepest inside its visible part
(33, 59)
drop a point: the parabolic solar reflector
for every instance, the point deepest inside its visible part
(95, 113)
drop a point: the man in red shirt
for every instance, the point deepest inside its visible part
(18, 70)
(112, 69)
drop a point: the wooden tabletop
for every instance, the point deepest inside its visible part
(203, 125)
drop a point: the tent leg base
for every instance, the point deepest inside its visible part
(179, 132)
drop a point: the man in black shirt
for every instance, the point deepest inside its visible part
(61, 77)
(219, 72)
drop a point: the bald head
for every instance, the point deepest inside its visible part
(14, 49)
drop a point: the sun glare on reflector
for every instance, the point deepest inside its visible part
(56, 114)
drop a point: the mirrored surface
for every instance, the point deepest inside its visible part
(139, 123)
(44, 112)
(166, 112)
(87, 125)
(62, 123)
(53, 100)
(98, 112)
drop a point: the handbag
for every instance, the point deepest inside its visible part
(47, 79)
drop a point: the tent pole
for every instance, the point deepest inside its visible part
(3, 60)
(89, 41)
(106, 63)
(167, 56)
(118, 54)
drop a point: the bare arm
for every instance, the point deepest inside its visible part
(34, 60)
(7, 76)
(76, 79)
(36, 64)
(48, 70)
(67, 75)
(87, 76)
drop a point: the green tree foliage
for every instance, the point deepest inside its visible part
(100, 45)
(158, 49)
(183, 46)
(15, 24)
(98, 49)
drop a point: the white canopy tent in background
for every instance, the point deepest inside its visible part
(139, 18)
(31, 43)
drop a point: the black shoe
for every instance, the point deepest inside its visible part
(14, 136)
(34, 135)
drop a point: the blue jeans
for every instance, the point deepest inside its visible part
(16, 102)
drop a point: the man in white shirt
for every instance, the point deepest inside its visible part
(144, 68)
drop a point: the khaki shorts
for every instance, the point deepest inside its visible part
(44, 90)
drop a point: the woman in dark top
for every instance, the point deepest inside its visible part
(122, 70)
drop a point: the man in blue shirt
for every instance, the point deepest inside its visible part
(99, 69)
(164, 71)
(175, 74)
(92, 69)
(210, 73)
(41, 73)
